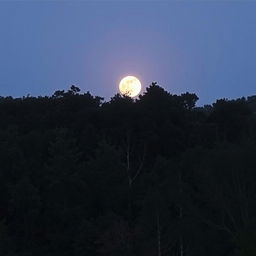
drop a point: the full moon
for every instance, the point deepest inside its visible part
(130, 86)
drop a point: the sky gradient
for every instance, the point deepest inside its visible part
(208, 48)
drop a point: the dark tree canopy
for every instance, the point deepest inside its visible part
(156, 175)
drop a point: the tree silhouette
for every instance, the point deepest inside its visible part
(156, 175)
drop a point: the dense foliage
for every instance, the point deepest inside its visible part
(152, 176)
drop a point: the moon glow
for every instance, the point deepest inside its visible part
(130, 86)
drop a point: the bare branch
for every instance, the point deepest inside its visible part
(140, 166)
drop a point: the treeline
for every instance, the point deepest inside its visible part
(153, 176)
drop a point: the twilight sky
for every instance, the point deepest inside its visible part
(204, 47)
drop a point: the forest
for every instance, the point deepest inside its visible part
(152, 176)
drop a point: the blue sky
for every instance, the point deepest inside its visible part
(204, 47)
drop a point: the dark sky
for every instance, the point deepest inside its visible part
(204, 47)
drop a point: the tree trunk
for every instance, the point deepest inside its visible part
(181, 244)
(158, 234)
